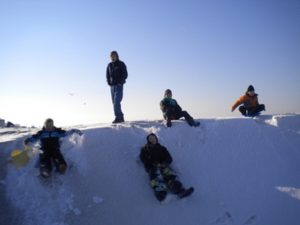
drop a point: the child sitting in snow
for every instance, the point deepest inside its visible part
(172, 111)
(250, 106)
(157, 160)
(50, 145)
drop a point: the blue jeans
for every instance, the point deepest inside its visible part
(117, 96)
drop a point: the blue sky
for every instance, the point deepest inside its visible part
(53, 57)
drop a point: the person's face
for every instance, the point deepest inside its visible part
(251, 93)
(169, 95)
(49, 126)
(152, 140)
(113, 57)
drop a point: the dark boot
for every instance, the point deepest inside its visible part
(118, 120)
(159, 188)
(185, 192)
(174, 186)
(44, 172)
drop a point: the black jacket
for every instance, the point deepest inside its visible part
(152, 155)
(116, 73)
(49, 139)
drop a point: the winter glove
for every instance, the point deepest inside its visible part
(26, 141)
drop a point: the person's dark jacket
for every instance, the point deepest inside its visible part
(50, 140)
(153, 155)
(170, 108)
(116, 73)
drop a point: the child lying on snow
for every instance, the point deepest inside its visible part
(49, 138)
(157, 160)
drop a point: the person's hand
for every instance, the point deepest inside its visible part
(169, 123)
(77, 132)
(25, 142)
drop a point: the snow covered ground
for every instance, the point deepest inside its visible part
(245, 171)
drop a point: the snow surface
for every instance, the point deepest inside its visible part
(245, 171)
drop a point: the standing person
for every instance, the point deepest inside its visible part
(172, 111)
(49, 138)
(249, 102)
(157, 160)
(116, 75)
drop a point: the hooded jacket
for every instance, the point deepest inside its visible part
(152, 155)
(116, 73)
(50, 140)
(170, 108)
(250, 102)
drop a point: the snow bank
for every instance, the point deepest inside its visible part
(245, 171)
(289, 122)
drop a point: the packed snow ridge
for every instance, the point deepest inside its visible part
(245, 171)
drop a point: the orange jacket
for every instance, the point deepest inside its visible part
(247, 100)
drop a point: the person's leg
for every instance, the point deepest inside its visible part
(170, 178)
(59, 162)
(190, 120)
(117, 98)
(257, 110)
(243, 110)
(157, 183)
(45, 165)
(169, 116)
(173, 184)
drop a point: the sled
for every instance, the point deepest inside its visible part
(20, 158)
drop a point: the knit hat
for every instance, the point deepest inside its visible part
(250, 88)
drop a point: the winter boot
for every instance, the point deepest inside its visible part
(44, 172)
(159, 188)
(62, 168)
(185, 192)
(118, 120)
(175, 186)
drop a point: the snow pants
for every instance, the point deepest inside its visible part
(253, 111)
(176, 116)
(51, 156)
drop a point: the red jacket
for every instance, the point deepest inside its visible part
(249, 102)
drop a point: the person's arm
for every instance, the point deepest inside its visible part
(145, 157)
(162, 106)
(124, 72)
(178, 106)
(33, 139)
(237, 103)
(166, 156)
(108, 74)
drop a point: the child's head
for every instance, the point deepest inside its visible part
(168, 93)
(114, 56)
(250, 90)
(152, 139)
(49, 124)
